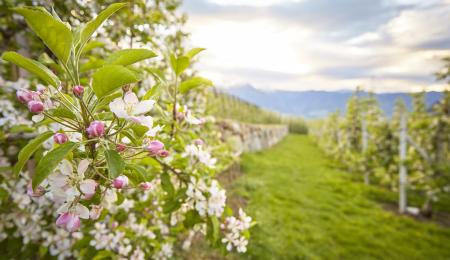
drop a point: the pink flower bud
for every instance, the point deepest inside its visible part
(145, 186)
(96, 129)
(154, 147)
(121, 147)
(35, 107)
(24, 96)
(95, 212)
(198, 142)
(78, 91)
(120, 182)
(163, 153)
(60, 138)
(62, 220)
(73, 224)
(68, 221)
(37, 192)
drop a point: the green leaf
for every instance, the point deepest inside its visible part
(63, 112)
(32, 66)
(129, 56)
(51, 64)
(105, 116)
(82, 243)
(92, 63)
(190, 54)
(120, 198)
(128, 133)
(194, 82)
(153, 163)
(154, 92)
(213, 227)
(228, 211)
(42, 251)
(157, 74)
(3, 194)
(29, 149)
(110, 78)
(21, 129)
(174, 203)
(49, 162)
(53, 32)
(179, 64)
(103, 254)
(139, 173)
(115, 163)
(167, 184)
(192, 218)
(170, 206)
(139, 130)
(92, 45)
(93, 25)
(106, 100)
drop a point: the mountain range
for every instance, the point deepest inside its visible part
(316, 104)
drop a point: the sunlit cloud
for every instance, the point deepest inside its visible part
(251, 2)
(382, 45)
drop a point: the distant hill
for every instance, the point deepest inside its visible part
(315, 104)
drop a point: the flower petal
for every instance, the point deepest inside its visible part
(64, 208)
(153, 131)
(82, 211)
(37, 118)
(73, 224)
(82, 166)
(130, 98)
(63, 219)
(88, 186)
(146, 121)
(143, 107)
(65, 167)
(126, 140)
(117, 106)
(57, 180)
(71, 193)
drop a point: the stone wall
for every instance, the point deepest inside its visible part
(251, 137)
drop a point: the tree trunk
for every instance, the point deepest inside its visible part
(403, 178)
(427, 209)
(365, 140)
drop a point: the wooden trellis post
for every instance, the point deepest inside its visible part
(403, 177)
(365, 140)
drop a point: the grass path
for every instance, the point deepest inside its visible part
(308, 210)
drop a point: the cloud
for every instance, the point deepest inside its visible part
(253, 3)
(311, 44)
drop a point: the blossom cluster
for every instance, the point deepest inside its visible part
(235, 230)
(74, 181)
(110, 169)
(71, 187)
(207, 200)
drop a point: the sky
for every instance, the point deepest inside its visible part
(381, 45)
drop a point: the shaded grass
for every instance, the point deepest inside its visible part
(306, 209)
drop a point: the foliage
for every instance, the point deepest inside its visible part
(308, 209)
(365, 141)
(224, 106)
(444, 73)
(122, 176)
(296, 125)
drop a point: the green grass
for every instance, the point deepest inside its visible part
(306, 209)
